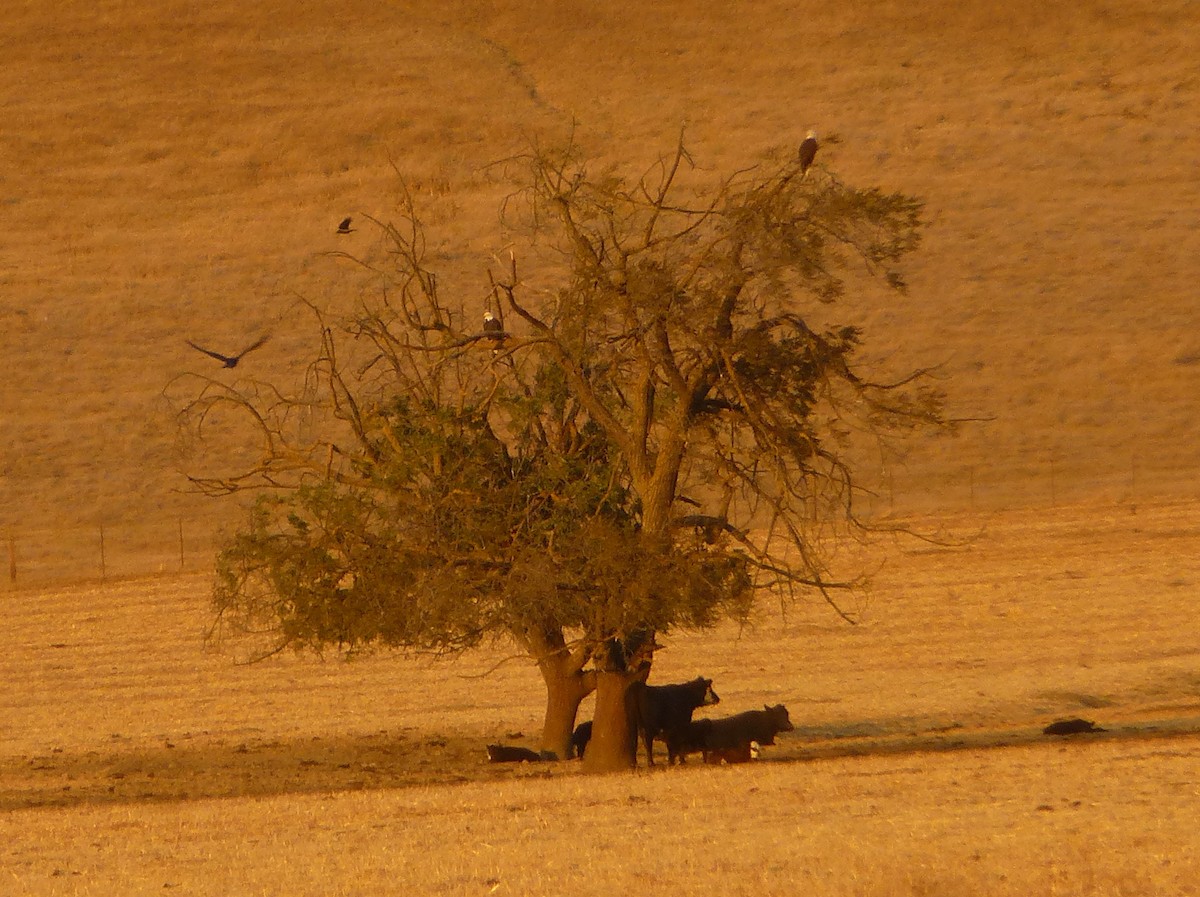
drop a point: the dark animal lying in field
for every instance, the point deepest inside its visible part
(663, 709)
(1071, 727)
(503, 753)
(580, 738)
(743, 753)
(732, 734)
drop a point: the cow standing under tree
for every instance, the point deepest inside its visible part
(666, 709)
(580, 738)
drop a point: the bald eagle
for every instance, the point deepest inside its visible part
(808, 152)
(492, 326)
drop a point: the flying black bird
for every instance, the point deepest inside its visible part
(230, 361)
(344, 227)
(808, 152)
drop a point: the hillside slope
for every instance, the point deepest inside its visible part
(168, 173)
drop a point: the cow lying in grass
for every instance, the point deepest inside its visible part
(743, 753)
(504, 753)
(732, 734)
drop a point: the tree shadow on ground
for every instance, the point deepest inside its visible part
(205, 768)
(259, 767)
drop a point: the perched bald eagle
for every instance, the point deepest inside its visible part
(808, 152)
(492, 326)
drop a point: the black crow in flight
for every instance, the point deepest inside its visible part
(230, 361)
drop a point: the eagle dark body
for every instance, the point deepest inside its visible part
(808, 152)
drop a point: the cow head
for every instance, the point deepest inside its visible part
(779, 717)
(704, 687)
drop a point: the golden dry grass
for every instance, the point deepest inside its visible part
(1111, 821)
(132, 759)
(173, 170)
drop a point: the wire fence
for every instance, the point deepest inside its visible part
(1038, 482)
(37, 556)
(1033, 483)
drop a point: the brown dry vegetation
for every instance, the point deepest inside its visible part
(130, 759)
(172, 170)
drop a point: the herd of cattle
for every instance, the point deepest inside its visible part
(664, 712)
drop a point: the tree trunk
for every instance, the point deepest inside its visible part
(658, 492)
(566, 687)
(566, 683)
(613, 747)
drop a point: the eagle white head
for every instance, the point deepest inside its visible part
(488, 316)
(811, 135)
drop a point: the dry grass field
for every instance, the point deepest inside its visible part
(173, 170)
(132, 761)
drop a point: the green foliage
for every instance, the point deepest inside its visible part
(447, 537)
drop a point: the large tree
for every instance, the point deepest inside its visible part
(656, 435)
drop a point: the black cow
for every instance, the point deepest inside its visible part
(689, 739)
(1071, 727)
(743, 753)
(504, 753)
(664, 709)
(580, 738)
(753, 725)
